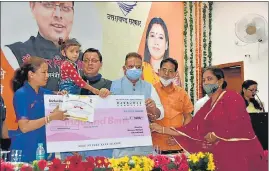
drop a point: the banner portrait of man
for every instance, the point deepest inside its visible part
(50, 21)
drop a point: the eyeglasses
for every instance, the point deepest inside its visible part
(170, 71)
(94, 61)
(253, 91)
(52, 6)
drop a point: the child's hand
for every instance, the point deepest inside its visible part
(91, 89)
(104, 92)
(63, 92)
(95, 91)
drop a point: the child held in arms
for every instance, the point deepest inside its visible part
(71, 81)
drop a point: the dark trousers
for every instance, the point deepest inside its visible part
(5, 145)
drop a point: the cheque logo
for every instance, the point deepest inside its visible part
(126, 7)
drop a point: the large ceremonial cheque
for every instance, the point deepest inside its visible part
(118, 122)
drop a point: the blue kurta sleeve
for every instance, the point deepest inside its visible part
(115, 87)
(46, 91)
(20, 105)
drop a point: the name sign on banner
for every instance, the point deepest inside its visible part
(119, 121)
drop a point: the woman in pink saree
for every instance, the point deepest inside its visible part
(223, 127)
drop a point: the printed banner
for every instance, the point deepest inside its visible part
(153, 29)
(119, 121)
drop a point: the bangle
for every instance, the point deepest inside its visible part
(163, 130)
(48, 117)
(46, 121)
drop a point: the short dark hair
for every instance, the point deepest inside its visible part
(171, 60)
(21, 74)
(218, 73)
(94, 51)
(133, 54)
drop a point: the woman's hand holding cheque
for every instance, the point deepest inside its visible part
(57, 114)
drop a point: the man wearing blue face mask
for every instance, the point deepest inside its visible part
(131, 84)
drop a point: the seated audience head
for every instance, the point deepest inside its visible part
(213, 80)
(249, 90)
(34, 70)
(168, 71)
(133, 66)
(92, 62)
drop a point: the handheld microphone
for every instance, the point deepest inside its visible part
(260, 102)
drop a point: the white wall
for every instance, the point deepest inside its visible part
(224, 49)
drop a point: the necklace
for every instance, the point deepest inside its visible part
(219, 97)
(213, 104)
